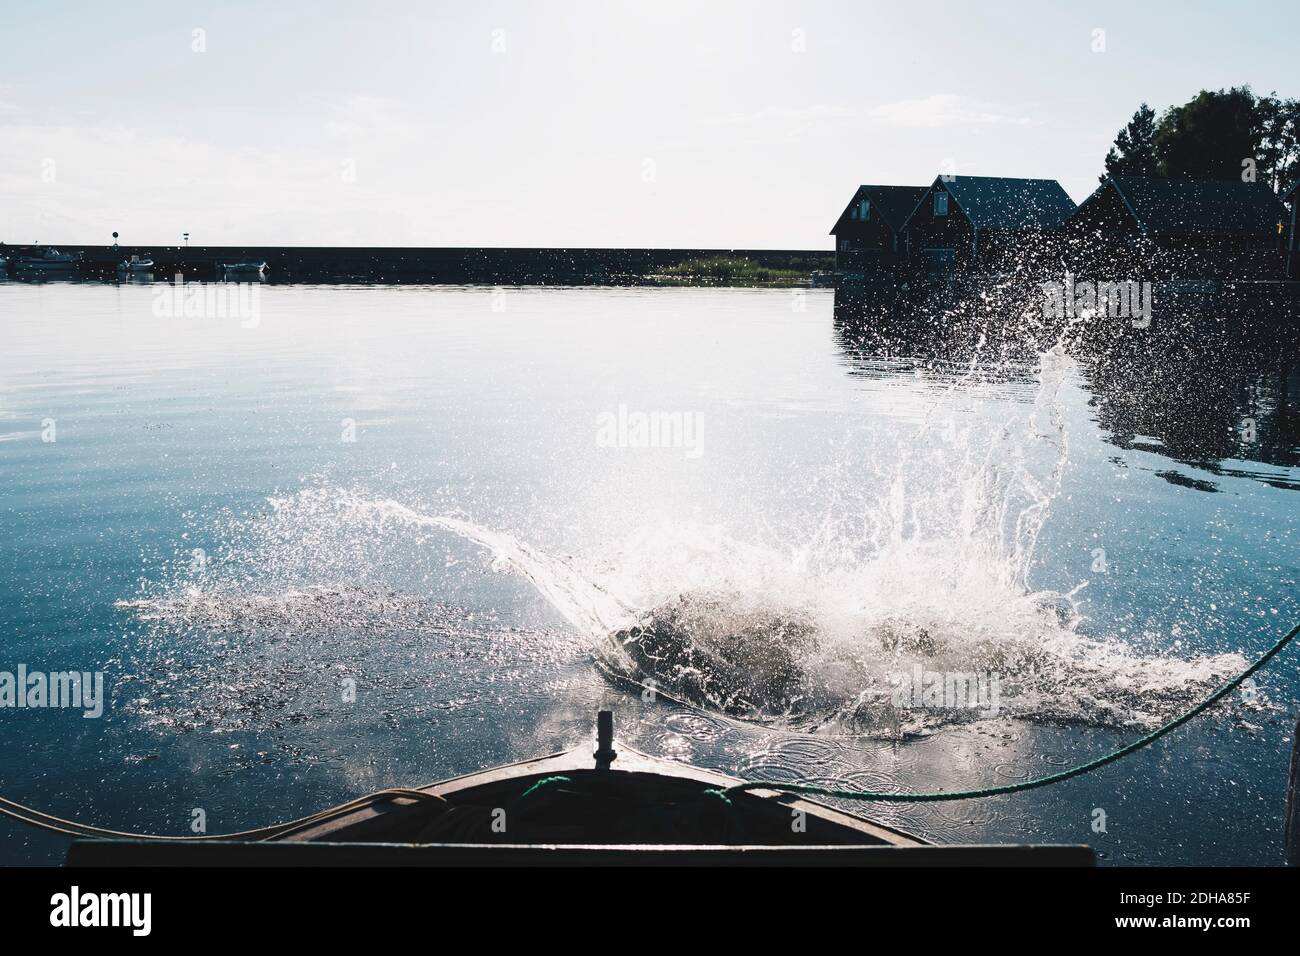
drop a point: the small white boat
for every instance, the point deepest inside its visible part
(244, 270)
(135, 266)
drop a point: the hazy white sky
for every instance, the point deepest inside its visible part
(707, 123)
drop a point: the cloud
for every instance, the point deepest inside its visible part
(372, 117)
(788, 124)
(786, 114)
(79, 183)
(948, 109)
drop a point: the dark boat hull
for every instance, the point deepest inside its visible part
(560, 810)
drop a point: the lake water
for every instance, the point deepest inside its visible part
(350, 538)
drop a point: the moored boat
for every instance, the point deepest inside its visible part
(574, 808)
(135, 266)
(244, 270)
(50, 262)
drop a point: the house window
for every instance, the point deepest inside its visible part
(844, 245)
(853, 211)
(941, 204)
(864, 210)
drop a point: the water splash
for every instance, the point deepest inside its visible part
(818, 632)
(579, 600)
(307, 608)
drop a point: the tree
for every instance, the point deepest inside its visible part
(1134, 152)
(1279, 157)
(1210, 136)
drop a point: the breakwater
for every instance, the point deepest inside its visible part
(441, 264)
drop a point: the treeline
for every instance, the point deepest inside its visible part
(1218, 134)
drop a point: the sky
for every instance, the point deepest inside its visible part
(703, 124)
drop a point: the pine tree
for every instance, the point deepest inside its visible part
(1134, 152)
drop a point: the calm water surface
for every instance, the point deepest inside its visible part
(239, 522)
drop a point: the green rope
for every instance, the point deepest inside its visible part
(1027, 784)
(543, 783)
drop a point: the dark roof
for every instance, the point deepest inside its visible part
(896, 202)
(995, 202)
(893, 203)
(1199, 206)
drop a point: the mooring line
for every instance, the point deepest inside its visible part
(872, 796)
(72, 828)
(53, 824)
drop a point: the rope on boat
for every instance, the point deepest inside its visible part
(1078, 771)
(544, 783)
(53, 824)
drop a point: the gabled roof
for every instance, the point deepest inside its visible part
(996, 202)
(893, 203)
(1170, 206)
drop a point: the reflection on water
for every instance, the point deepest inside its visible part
(1224, 411)
(404, 488)
(1219, 401)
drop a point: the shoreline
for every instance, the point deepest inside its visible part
(457, 264)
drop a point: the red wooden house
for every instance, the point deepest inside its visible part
(986, 224)
(1171, 228)
(868, 235)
